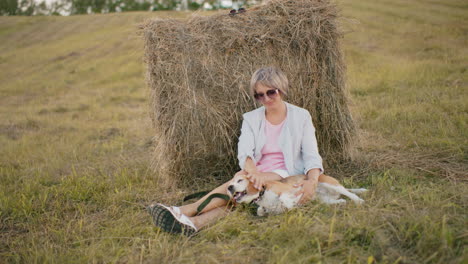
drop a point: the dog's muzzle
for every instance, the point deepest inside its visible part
(237, 196)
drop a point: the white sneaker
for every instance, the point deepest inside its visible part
(179, 216)
(170, 219)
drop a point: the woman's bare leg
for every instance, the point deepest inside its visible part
(191, 209)
(209, 217)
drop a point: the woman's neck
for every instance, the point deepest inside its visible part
(276, 115)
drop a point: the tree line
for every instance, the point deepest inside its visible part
(75, 7)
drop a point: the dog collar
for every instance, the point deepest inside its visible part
(259, 195)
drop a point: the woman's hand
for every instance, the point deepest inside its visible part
(308, 191)
(258, 179)
(309, 186)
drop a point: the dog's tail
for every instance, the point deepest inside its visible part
(358, 191)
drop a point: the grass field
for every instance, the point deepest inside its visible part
(75, 139)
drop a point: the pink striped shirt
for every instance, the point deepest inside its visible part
(272, 156)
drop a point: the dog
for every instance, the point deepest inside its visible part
(280, 196)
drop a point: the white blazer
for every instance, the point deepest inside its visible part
(297, 140)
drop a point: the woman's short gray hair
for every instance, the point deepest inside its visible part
(271, 77)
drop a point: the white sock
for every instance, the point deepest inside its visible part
(186, 221)
(176, 210)
(181, 217)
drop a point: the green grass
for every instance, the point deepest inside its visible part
(407, 73)
(75, 139)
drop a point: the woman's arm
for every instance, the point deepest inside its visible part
(312, 161)
(246, 145)
(309, 146)
(310, 186)
(246, 150)
(249, 166)
(256, 177)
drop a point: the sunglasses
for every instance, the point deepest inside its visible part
(270, 93)
(238, 11)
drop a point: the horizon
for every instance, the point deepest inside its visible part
(224, 4)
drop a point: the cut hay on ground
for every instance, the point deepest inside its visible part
(199, 70)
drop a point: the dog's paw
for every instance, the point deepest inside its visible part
(261, 211)
(359, 201)
(358, 191)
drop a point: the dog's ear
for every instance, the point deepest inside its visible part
(251, 189)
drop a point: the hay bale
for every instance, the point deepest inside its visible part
(199, 71)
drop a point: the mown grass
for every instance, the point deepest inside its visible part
(75, 140)
(407, 73)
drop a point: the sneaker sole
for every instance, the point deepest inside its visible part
(164, 219)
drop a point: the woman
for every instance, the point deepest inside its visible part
(277, 140)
